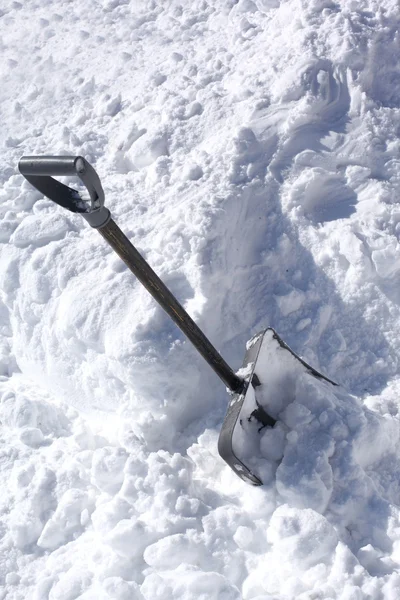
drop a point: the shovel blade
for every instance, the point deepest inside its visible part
(265, 352)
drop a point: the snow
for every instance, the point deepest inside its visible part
(249, 149)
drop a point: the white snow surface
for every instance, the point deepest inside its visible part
(250, 150)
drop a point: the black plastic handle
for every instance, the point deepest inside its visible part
(39, 171)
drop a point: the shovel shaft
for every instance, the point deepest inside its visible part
(139, 267)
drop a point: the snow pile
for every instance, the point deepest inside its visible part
(92, 517)
(250, 151)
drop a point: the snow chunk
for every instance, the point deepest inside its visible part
(108, 105)
(71, 584)
(119, 589)
(272, 443)
(171, 551)
(185, 583)
(23, 413)
(7, 228)
(243, 537)
(109, 514)
(40, 230)
(387, 260)
(25, 528)
(148, 147)
(108, 468)
(193, 172)
(303, 537)
(129, 538)
(66, 521)
(291, 302)
(31, 436)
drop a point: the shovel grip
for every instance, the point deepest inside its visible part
(40, 170)
(50, 165)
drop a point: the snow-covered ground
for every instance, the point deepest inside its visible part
(250, 150)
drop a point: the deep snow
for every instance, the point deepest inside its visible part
(250, 151)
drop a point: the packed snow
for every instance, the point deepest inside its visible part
(250, 151)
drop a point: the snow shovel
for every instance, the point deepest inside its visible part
(39, 171)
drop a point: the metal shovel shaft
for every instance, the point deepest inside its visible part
(139, 267)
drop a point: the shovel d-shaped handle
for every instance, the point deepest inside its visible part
(40, 172)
